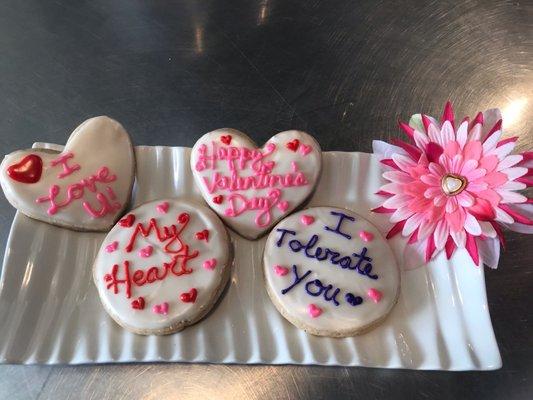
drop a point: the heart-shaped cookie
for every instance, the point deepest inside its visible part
(252, 188)
(85, 187)
(327, 279)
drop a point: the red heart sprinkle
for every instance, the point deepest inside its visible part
(127, 221)
(183, 218)
(226, 139)
(27, 170)
(218, 199)
(138, 304)
(203, 235)
(293, 145)
(190, 296)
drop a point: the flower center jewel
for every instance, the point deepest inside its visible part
(453, 184)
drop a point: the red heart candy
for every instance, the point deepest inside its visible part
(293, 145)
(226, 139)
(138, 304)
(190, 296)
(218, 199)
(203, 235)
(127, 221)
(27, 170)
(183, 217)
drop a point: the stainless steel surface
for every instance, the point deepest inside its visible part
(343, 70)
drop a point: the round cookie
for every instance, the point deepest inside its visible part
(162, 266)
(252, 188)
(330, 272)
(85, 187)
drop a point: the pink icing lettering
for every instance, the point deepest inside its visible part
(76, 191)
(239, 204)
(63, 160)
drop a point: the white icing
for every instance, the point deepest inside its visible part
(208, 282)
(285, 162)
(96, 143)
(345, 318)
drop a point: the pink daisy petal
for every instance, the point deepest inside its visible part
(477, 186)
(436, 169)
(513, 173)
(462, 134)
(512, 185)
(509, 161)
(446, 133)
(511, 197)
(490, 119)
(472, 150)
(441, 234)
(488, 163)
(403, 162)
(401, 214)
(487, 229)
(396, 188)
(434, 134)
(491, 141)
(426, 228)
(475, 174)
(472, 225)
(440, 201)
(412, 224)
(397, 176)
(471, 247)
(502, 151)
(465, 199)
(421, 140)
(475, 133)
(431, 180)
(459, 238)
(396, 201)
(468, 166)
(502, 216)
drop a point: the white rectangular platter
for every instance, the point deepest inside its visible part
(50, 312)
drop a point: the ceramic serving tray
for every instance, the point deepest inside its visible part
(50, 312)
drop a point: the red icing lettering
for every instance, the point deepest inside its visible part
(177, 266)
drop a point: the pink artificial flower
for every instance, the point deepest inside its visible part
(451, 188)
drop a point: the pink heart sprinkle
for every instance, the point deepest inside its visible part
(161, 308)
(281, 271)
(270, 147)
(374, 294)
(282, 206)
(314, 311)
(162, 207)
(366, 236)
(146, 251)
(307, 219)
(305, 149)
(111, 247)
(210, 264)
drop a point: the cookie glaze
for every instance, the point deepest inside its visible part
(323, 277)
(252, 188)
(173, 284)
(84, 187)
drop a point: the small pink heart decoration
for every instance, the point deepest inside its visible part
(281, 271)
(305, 149)
(282, 206)
(366, 236)
(162, 208)
(374, 294)
(210, 264)
(270, 147)
(314, 311)
(146, 251)
(111, 247)
(307, 219)
(161, 308)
